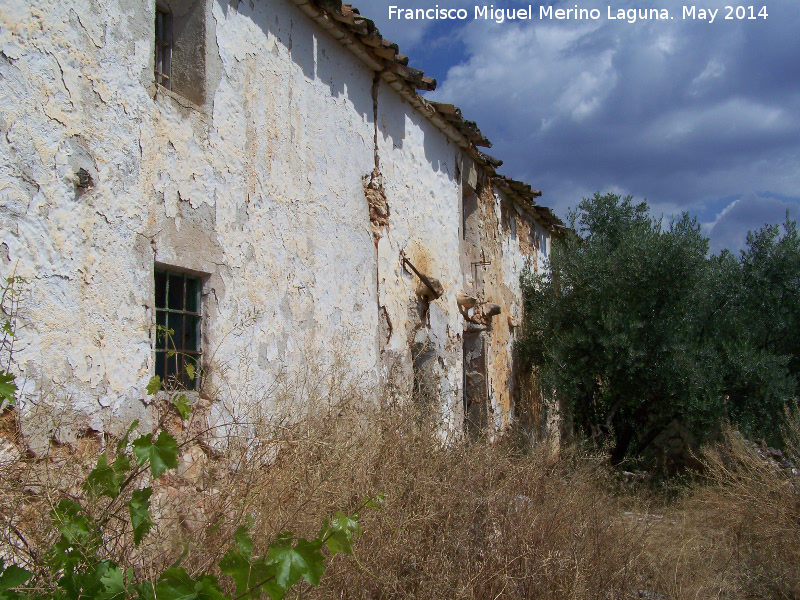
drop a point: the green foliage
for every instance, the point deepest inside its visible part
(294, 560)
(10, 295)
(12, 576)
(75, 567)
(76, 563)
(176, 584)
(342, 530)
(181, 401)
(140, 513)
(162, 454)
(191, 367)
(8, 388)
(763, 357)
(154, 385)
(250, 576)
(104, 479)
(374, 503)
(636, 326)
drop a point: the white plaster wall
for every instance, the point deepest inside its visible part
(418, 164)
(260, 189)
(521, 248)
(543, 255)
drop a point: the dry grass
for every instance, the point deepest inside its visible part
(737, 533)
(462, 519)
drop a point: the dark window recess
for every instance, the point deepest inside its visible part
(163, 65)
(178, 329)
(180, 47)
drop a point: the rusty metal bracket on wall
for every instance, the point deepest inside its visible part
(405, 262)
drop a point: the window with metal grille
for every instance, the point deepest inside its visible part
(163, 65)
(178, 329)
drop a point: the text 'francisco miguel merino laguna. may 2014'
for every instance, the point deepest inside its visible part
(548, 13)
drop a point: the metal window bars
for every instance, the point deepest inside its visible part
(163, 62)
(178, 352)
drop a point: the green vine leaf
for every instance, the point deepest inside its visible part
(181, 402)
(100, 581)
(154, 385)
(103, 479)
(243, 541)
(76, 539)
(343, 529)
(145, 591)
(122, 464)
(251, 578)
(123, 442)
(12, 576)
(139, 506)
(72, 524)
(8, 389)
(113, 582)
(375, 501)
(176, 584)
(238, 567)
(162, 454)
(304, 560)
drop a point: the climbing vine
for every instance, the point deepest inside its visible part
(76, 565)
(74, 568)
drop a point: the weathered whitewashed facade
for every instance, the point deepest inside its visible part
(292, 174)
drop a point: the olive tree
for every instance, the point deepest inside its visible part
(636, 327)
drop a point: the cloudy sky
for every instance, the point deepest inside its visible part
(691, 115)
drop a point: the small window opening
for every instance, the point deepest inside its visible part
(178, 329)
(180, 47)
(163, 65)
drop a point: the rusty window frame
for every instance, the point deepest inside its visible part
(163, 49)
(177, 308)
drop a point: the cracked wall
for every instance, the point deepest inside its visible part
(252, 190)
(295, 185)
(499, 239)
(418, 165)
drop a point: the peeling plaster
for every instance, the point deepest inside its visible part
(260, 191)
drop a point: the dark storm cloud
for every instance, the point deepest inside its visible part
(689, 115)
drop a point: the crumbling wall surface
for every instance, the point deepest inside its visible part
(518, 238)
(296, 133)
(501, 240)
(418, 164)
(525, 244)
(73, 91)
(258, 191)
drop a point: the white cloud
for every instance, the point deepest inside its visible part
(705, 80)
(748, 213)
(734, 119)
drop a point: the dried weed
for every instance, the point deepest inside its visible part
(463, 519)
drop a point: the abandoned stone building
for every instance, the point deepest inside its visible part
(261, 180)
